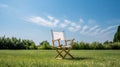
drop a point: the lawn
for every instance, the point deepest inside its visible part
(45, 58)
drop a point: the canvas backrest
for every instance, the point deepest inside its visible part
(58, 35)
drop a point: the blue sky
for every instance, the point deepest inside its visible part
(84, 20)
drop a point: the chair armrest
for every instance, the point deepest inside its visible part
(70, 40)
(58, 40)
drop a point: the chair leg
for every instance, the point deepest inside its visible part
(67, 52)
(59, 53)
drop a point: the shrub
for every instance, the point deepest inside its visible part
(106, 46)
(44, 45)
(115, 45)
(83, 45)
(96, 45)
(75, 45)
(14, 43)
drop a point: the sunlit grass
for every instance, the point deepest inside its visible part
(45, 58)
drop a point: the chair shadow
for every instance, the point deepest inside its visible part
(79, 58)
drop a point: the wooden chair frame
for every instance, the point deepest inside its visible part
(63, 48)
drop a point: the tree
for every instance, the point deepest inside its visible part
(83, 45)
(117, 35)
(15, 43)
(75, 45)
(44, 45)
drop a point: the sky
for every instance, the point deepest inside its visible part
(84, 20)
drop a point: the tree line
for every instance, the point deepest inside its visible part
(96, 45)
(17, 43)
(83, 45)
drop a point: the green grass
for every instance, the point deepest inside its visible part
(45, 58)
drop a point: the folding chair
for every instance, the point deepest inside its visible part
(58, 37)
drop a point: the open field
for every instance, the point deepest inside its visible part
(45, 58)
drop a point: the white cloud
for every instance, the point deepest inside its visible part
(87, 30)
(55, 22)
(90, 29)
(71, 29)
(93, 28)
(74, 28)
(41, 21)
(65, 23)
(78, 27)
(106, 35)
(81, 20)
(44, 22)
(50, 18)
(3, 5)
(108, 32)
(83, 30)
(73, 24)
(95, 31)
(107, 29)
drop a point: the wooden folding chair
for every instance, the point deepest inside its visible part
(58, 37)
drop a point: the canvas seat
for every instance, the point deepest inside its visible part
(57, 37)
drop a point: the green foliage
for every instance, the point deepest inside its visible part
(115, 45)
(44, 45)
(83, 45)
(117, 35)
(80, 45)
(96, 45)
(14, 43)
(75, 45)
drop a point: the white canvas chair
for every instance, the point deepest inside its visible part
(58, 37)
